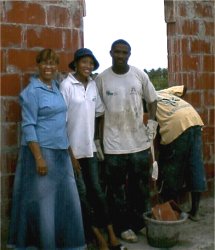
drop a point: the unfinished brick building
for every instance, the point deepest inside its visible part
(28, 26)
(190, 44)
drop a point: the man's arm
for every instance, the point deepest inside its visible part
(151, 128)
(152, 108)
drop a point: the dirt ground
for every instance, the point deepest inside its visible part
(194, 235)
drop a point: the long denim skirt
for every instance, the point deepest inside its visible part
(46, 212)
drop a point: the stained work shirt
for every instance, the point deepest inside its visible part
(43, 115)
(122, 95)
(83, 106)
(174, 115)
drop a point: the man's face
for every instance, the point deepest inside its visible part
(120, 54)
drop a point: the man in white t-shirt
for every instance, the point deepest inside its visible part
(126, 139)
(180, 152)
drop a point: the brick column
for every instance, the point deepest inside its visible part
(190, 36)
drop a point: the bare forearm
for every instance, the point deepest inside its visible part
(152, 108)
(35, 149)
(41, 165)
(99, 121)
(75, 162)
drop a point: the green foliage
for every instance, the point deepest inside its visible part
(158, 77)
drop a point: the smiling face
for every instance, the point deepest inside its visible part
(47, 70)
(84, 67)
(47, 61)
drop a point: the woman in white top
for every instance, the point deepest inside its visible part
(84, 105)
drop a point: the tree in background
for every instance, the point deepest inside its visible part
(158, 77)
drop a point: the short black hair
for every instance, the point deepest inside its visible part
(120, 41)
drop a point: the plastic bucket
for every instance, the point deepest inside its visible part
(163, 234)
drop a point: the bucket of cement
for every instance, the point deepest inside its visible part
(163, 234)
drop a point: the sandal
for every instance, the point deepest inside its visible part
(129, 236)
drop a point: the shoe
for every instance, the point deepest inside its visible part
(129, 236)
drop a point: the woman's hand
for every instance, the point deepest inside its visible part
(42, 168)
(41, 165)
(76, 165)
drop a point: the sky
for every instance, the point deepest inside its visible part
(139, 22)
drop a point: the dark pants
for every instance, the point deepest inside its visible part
(128, 189)
(93, 200)
(181, 164)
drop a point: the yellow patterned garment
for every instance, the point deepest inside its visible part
(174, 115)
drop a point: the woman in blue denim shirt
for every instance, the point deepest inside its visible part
(46, 211)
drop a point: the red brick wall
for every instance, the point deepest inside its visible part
(190, 40)
(26, 28)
